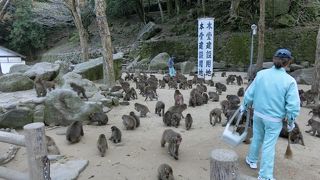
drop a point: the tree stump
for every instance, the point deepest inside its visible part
(224, 165)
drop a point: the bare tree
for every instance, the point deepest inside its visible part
(234, 9)
(261, 29)
(177, 4)
(204, 7)
(316, 74)
(108, 71)
(161, 11)
(3, 6)
(73, 6)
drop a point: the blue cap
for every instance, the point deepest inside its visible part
(283, 53)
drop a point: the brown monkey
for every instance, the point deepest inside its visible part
(99, 117)
(214, 96)
(102, 144)
(165, 172)
(174, 139)
(239, 80)
(162, 84)
(240, 92)
(79, 89)
(136, 118)
(129, 122)
(205, 98)
(150, 93)
(173, 84)
(230, 79)
(190, 83)
(178, 109)
(160, 106)
(74, 132)
(167, 118)
(178, 98)
(116, 135)
(175, 119)
(52, 148)
(142, 109)
(295, 135)
(221, 87)
(225, 104)
(216, 113)
(125, 86)
(188, 121)
(223, 74)
(315, 127)
(40, 88)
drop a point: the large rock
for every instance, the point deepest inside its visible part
(16, 118)
(303, 76)
(187, 67)
(70, 77)
(148, 31)
(38, 114)
(19, 68)
(294, 67)
(63, 106)
(93, 69)
(47, 71)
(15, 82)
(160, 61)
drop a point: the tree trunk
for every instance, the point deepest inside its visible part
(261, 29)
(177, 4)
(139, 8)
(109, 78)
(188, 3)
(73, 6)
(234, 8)
(3, 6)
(224, 165)
(161, 11)
(204, 7)
(316, 74)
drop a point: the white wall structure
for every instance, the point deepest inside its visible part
(9, 58)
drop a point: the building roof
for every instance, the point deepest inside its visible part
(4, 52)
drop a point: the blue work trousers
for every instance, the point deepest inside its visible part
(265, 136)
(172, 71)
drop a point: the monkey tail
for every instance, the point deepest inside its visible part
(288, 154)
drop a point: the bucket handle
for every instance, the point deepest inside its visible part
(238, 120)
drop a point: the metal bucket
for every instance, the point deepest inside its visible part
(230, 136)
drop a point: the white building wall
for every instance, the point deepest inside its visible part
(6, 65)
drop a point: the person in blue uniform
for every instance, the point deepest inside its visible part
(172, 71)
(274, 97)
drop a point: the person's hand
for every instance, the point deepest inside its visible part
(242, 109)
(291, 126)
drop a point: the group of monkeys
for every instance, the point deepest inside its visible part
(147, 86)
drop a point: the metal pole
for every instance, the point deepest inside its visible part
(251, 59)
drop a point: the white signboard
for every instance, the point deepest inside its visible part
(205, 47)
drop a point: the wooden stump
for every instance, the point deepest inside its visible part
(224, 165)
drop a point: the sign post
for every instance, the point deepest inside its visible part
(205, 47)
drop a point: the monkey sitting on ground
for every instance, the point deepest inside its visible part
(150, 93)
(296, 135)
(116, 135)
(142, 109)
(230, 79)
(102, 144)
(213, 96)
(178, 98)
(129, 122)
(240, 92)
(188, 121)
(315, 127)
(162, 84)
(205, 98)
(239, 80)
(160, 106)
(136, 118)
(78, 89)
(220, 87)
(189, 82)
(216, 113)
(165, 172)
(173, 84)
(74, 132)
(52, 148)
(40, 88)
(99, 117)
(178, 109)
(174, 139)
(175, 120)
(223, 74)
(225, 104)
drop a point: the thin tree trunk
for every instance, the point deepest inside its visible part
(109, 77)
(177, 4)
(3, 8)
(261, 29)
(161, 11)
(316, 74)
(234, 8)
(204, 7)
(169, 7)
(73, 6)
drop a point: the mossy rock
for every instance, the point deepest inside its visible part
(15, 82)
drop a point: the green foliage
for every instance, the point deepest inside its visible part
(74, 37)
(120, 8)
(88, 14)
(26, 35)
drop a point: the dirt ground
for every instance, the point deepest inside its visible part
(140, 154)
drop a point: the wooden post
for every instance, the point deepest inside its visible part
(224, 165)
(39, 166)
